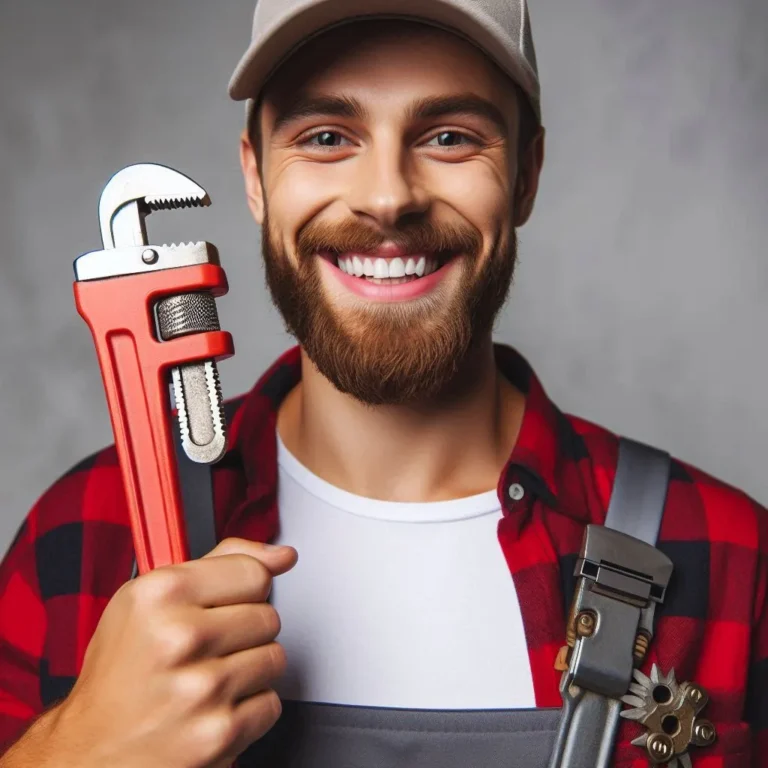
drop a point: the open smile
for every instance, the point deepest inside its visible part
(393, 278)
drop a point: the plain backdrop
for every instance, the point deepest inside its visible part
(641, 295)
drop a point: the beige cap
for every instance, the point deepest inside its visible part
(501, 28)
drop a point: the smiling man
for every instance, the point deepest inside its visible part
(436, 497)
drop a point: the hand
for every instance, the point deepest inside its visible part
(178, 672)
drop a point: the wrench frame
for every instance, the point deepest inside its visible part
(135, 368)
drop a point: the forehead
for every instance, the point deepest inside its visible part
(389, 61)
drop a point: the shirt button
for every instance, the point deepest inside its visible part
(516, 492)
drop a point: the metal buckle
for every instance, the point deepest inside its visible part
(621, 580)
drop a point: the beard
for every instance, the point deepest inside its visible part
(393, 353)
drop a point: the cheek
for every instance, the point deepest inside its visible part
(299, 191)
(295, 195)
(477, 190)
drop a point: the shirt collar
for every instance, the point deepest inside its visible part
(545, 456)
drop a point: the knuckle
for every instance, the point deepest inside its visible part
(215, 734)
(176, 642)
(197, 685)
(162, 586)
(229, 544)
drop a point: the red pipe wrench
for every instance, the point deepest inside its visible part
(152, 313)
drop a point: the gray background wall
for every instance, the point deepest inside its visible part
(641, 295)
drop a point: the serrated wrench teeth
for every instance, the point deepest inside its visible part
(167, 204)
(133, 192)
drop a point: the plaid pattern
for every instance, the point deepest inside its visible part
(74, 550)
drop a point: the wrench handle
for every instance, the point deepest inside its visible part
(135, 368)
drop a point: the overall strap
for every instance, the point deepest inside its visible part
(622, 577)
(639, 491)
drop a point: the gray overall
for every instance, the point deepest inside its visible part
(580, 735)
(333, 736)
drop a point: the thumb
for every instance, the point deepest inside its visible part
(278, 559)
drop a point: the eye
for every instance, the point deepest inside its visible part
(325, 139)
(452, 139)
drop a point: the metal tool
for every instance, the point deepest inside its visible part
(152, 312)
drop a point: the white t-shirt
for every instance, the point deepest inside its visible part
(395, 604)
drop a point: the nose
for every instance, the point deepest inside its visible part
(386, 186)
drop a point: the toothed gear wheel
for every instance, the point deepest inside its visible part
(670, 712)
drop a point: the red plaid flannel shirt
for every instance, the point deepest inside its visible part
(74, 550)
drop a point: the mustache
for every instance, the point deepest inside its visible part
(353, 236)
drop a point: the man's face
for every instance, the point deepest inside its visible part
(388, 199)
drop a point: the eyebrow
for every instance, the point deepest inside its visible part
(303, 106)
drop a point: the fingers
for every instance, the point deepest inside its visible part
(252, 671)
(233, 680)
(232, 628)
(235, 572)
(219, 736)
(251, 719)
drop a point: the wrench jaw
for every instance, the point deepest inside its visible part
(128, 226)
(134, 192)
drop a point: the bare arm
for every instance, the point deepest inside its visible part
(36, 748)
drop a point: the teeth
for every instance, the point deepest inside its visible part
(396, 268)
(382, 269)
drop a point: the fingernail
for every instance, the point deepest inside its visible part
(274, 546)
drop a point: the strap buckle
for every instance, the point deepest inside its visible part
(621, 580)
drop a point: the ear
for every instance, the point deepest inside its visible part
(527, 184)
(253, 187)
